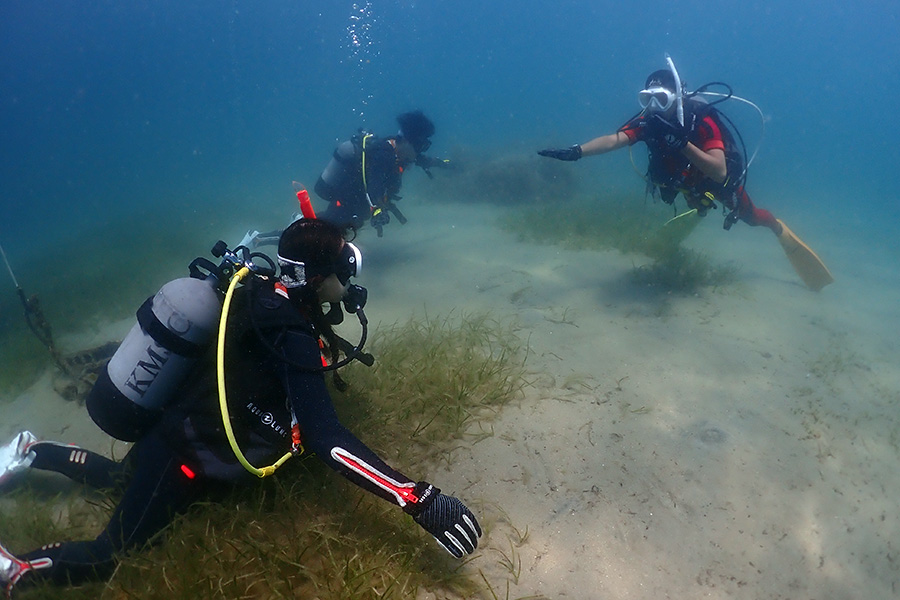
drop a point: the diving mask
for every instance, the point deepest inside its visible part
(656, 99)
(348, 264)
(296, 274)
(420, 145)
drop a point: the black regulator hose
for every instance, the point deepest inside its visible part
(355, 352)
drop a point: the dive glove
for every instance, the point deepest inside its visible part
(427, 162)
(673, 136)
(446, 518)
(380, 218)
(570, 153)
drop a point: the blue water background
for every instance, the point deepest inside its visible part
(169, 112)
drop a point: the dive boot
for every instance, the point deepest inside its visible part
(16, 456)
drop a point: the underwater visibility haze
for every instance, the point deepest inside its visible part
(134, 135)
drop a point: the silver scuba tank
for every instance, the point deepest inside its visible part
(338, 172)
(173, 328)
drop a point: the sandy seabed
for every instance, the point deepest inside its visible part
(735, 443)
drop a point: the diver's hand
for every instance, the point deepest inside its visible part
(570, 153)
(673, 136)
(445, 163)
(446, 518)
(428, 162)
(380, 218)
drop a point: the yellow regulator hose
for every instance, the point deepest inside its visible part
(220, 371)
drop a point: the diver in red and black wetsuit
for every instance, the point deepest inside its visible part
(693, 152)
(692, 158)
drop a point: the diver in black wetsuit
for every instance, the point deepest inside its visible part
(362, 181)
(273, 354)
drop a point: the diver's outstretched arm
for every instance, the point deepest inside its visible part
(604, 144)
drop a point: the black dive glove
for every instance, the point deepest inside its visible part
(380, 218)
(427, 162)
(570, 153)
(446, 518)
(673, 136)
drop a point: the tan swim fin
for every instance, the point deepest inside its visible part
(809, 267)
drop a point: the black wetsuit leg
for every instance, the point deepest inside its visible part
(157, 491)
(80, 465)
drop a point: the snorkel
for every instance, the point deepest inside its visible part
(708, 99)
(679, 97)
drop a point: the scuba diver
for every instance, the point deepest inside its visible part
(362, 181)
(695, 150)
(188, 446)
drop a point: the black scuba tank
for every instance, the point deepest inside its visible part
(173, 328)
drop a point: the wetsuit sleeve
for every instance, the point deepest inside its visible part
(428, 162)
(634, 129)
(322, 432)
(710, 135)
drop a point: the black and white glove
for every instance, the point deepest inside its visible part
(446, 518)
(673, 136)
(570, 153)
